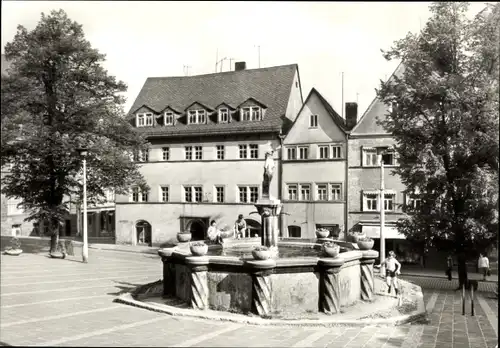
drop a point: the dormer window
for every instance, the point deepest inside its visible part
(252, 113)
(144, 120)
(223, 115)
(197, 117)
(168, 118)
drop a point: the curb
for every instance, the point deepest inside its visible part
(418, 314)
(150, 252)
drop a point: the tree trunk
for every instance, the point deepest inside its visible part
(54, 237)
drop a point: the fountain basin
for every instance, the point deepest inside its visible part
(287, 285)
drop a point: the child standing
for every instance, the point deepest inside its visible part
(392, 269)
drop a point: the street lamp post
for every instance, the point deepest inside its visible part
(85, 249)
(382, 217)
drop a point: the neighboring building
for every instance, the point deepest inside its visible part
(366, 141)
(208, 135)
(314, 171)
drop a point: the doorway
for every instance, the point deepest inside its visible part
(197, 229)
(143, 233)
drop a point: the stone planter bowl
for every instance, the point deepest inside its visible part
(198, 250)
(261, 254)
(365, 245)
(329, 251)
(184, 237)
(13, 252)
(322, 234)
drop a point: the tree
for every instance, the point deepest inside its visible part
(56, 99)
(445, 122)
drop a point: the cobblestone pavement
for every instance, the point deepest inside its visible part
(49, 302)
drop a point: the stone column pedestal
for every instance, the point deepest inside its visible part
(199, 283)
(329, 285)
(269, 210)
(367, 281)
(168, 271)
(261, 287)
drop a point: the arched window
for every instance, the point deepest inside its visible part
(294, 232)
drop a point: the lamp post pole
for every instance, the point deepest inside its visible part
(85, 249)
(382, 218)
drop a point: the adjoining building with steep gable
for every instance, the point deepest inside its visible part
(367, 141)
(208, 136)
(314, 169)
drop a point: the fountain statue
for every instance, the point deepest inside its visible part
(268, 207)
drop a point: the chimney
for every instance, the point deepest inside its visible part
(351, 115)
(238, 66)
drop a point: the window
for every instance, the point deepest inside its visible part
(223, 115)
(323, 152)
(143, 120)
(254, 151)
(322, 192)
(220, 152)
(389, 158)
(109, 195)
(165, 153)
(13, 207)
(370, 157)
(335, 191)
(188, 151)
(198, 152)
(243, 151)
(313, 122)
(292, 192)
(336, 151)
(303, 152)
(248, 194)
(292, 153)
(219, 194)
(193, 193)
(252, 113)
(141, 156)
(294, 232)
(168, 118)
(305, 192)
(371, 201)
(196, 117)
(164, 193)
(138, 195)
(389, 202)
(413, 201)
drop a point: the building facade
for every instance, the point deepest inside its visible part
(367, 142)
(314, 171)
(208, 137)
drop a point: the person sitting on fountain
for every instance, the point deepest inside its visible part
(214, 234)
(240, 227)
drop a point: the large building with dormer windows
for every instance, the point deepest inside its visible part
(314, 170)
(208, 135)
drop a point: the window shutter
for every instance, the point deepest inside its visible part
(137, 120)
(241, 114)
(363, 157)
(363, 208)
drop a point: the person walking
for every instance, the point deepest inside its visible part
(483, 264)
(449, 269)
(392, 270)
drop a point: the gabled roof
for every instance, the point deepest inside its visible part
(253, 100)
(368, 121)
(337, 119)
(226, 105)
(271, 86)
(145, 106)
(197, 102)
(168, 107)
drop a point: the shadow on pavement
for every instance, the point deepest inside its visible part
(5, 344)
(124, 287)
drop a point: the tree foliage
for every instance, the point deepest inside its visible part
(56, 99)
(445, 120)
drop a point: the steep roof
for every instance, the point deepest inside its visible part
(367, 124)
(269, 86)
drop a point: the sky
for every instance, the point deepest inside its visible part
(144, 39)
